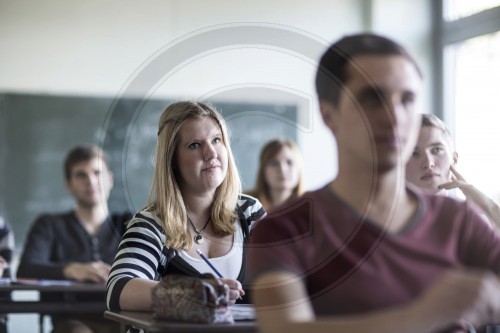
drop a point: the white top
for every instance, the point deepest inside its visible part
(229, 265)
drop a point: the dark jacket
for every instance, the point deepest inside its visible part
(55, 240)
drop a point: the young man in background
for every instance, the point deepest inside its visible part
(80, 244)
(432, 167)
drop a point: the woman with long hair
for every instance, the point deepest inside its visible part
(195, 204)
(279, 177)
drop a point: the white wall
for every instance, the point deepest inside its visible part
(410, 23)
(96, 47)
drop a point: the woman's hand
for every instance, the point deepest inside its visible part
(235, 289)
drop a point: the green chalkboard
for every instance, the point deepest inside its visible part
(36, 131)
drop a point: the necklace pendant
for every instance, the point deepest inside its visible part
(198, 239)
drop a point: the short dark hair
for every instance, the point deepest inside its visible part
(83, 153)
(332, 72)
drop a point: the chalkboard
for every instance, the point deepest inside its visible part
(38, 130)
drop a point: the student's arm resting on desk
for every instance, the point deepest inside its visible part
(135, 269)
(136, 295)
(6, 247)
(45, 256)
(96, 271)
(285, 306)
(3, 266)
(35, 260)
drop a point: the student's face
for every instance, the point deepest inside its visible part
(432, 158)
(201, 156)
(90, 183)
(282, 171)
(375, 123)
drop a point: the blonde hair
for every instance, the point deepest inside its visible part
(268, 152)
(431, 120)
(165, 199)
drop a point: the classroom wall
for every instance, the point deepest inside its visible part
(101, 48)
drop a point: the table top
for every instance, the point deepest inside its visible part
(146, 321)
(59, 296)
(7, 285)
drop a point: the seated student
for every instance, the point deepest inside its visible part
(80, 244)
(279, 177)
(432, 167)
(6, 250)
(366, 253)
(195, 203)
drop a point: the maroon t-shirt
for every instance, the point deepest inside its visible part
(350, 265)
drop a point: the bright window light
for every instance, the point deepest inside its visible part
(455, 9)
(475, 109)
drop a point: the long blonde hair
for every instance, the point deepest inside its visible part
(165, 199)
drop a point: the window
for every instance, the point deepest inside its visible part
(470, 50)
(456, 9)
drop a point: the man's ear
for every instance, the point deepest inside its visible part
(67, 184)
(326, 109)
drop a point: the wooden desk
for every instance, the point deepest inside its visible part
(68, 298)
(68, 302)
(145, 321)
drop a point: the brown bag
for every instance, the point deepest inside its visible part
(189, 299)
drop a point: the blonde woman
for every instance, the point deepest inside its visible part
(279, 177)
(195, 203)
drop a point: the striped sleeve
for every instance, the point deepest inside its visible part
(251, 208)
(139, 256)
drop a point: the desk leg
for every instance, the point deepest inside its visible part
(123, 328)
(41, 316)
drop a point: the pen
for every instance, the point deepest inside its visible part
(209, 263)
(211, 266)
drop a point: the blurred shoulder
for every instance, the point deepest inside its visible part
(293, 218)
(295, 207)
